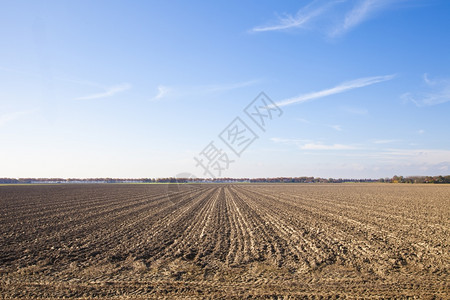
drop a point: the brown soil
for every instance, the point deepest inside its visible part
(284, 241)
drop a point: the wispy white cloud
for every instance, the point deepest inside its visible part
(289, 141)
(9, 117)
(304, 16)
(401, 156)
(437, 92)
(111, 91)
(163, 91)
(108, 91)
(303, 120)
(334, 17)
(424, 156)
(320, 146)
(312, 145)
(183, 91)
(421, 131)
(384, 141)
(382, 155)
(343, 87)
(361, 12)
(381, 161)
(336, 127)
(427, 80)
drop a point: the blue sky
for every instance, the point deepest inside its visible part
(140, 88)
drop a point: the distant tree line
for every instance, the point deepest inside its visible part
(417, 179)
(394, 179)
(74, 180)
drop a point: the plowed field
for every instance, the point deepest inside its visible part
(225, 241)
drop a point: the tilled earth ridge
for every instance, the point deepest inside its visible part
(225, 241)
